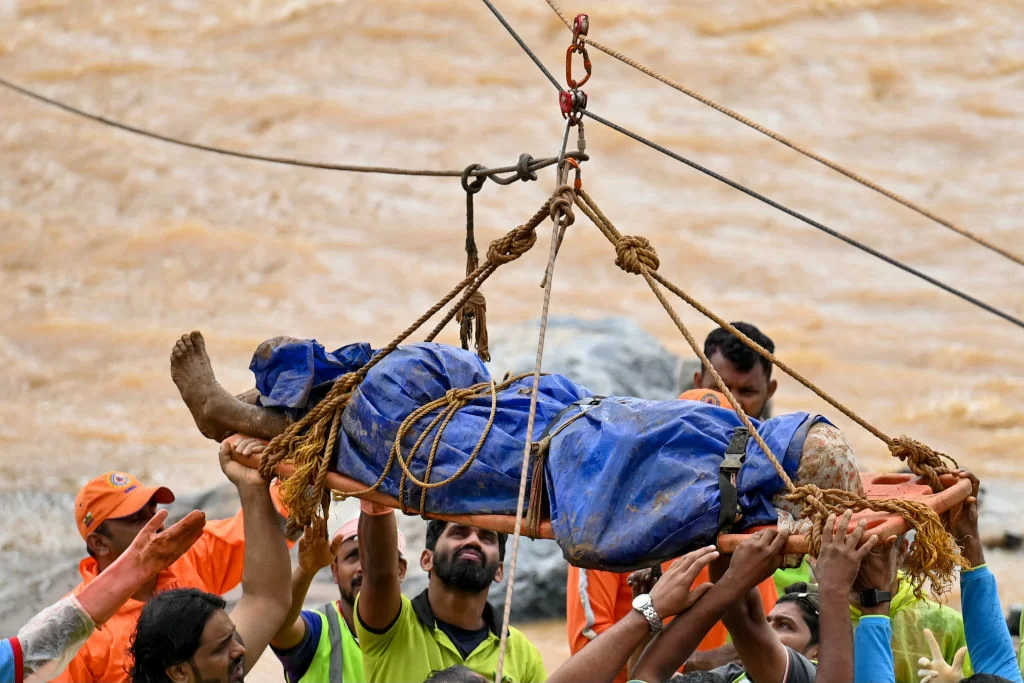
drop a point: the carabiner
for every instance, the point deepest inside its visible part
(578, 182)
(581, 49)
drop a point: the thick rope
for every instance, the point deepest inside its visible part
(778, 137)
(307, 443)
(518, 171)
(934, 556)
(921, 459)
(560, 221)
(473, 312)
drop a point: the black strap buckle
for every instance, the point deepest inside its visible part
(728, 473)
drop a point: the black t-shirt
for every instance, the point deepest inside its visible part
(801, 670)
(464, 640)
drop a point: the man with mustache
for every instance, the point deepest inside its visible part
(450, 622)
(320, 645)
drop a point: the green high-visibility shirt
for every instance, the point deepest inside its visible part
(414, 647)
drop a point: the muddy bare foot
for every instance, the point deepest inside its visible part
(192, 373)
(217, 413)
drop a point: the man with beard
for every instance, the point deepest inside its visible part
(320, 645)
(184, 635)
(449, 623)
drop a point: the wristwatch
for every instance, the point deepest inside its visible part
(874, 597)
(643, 605)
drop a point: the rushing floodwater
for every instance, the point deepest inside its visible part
(113, 245)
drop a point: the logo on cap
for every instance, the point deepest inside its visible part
(119, 479)
(712, 399)
(87, 520)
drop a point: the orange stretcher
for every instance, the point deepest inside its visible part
(877, 487)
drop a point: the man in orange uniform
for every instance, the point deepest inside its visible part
(110, 511)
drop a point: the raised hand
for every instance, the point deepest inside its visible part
(757, 557)
(642, 580)
(154, 550)
(936, 670)
(965, 524)
(239, 445)
(315, 549)
(879, 567)
(841, 554)
(673, 593)
(150, 553)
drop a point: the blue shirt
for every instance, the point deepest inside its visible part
(872, 651)
(11, 664)
(988, 638)
(296, 660)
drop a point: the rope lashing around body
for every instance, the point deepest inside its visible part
(800, 149)
(933, 556)
(308, 444)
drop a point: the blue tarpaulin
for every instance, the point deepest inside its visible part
(630, 483)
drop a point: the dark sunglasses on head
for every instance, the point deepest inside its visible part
(809, 599)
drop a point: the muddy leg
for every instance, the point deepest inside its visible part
(250, 397)
(217, 413)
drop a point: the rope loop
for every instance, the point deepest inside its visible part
(635, 254)
(474, 186)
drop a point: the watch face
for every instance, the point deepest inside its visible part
(641, 601)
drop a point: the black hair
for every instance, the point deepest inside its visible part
(455, 674)
(736, 352)
(985, 678)
(807, 599)
(169, 631)
(696, 677)
(436, 527)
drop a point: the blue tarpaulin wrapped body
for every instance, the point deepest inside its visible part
(630, 483)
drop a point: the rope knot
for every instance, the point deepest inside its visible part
(634, 254)
(512, 245)
(922, 460)
(474, 312)
(810, 496)
(523, 171)
(459, 397)
(561, 205)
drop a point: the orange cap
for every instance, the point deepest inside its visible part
(113, 495)
(715, 398)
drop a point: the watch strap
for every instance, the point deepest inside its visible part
(874, 597)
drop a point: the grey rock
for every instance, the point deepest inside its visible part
(218, 502)
(611, 356)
